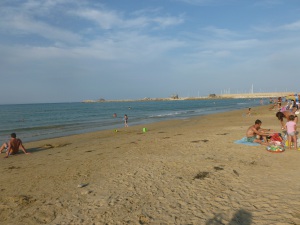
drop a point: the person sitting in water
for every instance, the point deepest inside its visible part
(285, 114)
(255, 133)
(13, 146)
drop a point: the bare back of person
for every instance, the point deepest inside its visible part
(15, 144)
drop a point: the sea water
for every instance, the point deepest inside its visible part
(34, 122)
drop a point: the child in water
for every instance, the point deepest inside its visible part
(126, 120)
(291, 129)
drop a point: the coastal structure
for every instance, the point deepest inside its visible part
(210, 96)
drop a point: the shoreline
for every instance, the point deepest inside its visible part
(185, 171)
(92, 122)
(139, 127)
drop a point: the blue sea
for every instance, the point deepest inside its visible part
(34, 122)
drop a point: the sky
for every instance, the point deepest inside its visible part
(70, 51)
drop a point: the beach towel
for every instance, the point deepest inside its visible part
(244, 141)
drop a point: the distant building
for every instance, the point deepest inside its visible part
(175, 96)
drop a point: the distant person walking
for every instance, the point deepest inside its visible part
(13, 146)
(126, 120)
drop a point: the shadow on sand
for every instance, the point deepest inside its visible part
(241, 217)
(46, 147)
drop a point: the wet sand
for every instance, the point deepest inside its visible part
(178, 172)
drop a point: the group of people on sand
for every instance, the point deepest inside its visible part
(13, 146)
(259, 135)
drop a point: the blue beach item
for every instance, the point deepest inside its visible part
(244, 141)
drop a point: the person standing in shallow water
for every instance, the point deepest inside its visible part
(126, 120)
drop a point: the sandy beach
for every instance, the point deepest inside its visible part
(178, 172)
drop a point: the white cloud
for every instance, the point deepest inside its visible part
(219, 32)
(128, 46)
(27, 26)
(25, 20)
(295, 26)
(108, 19)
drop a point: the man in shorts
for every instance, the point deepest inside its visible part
(255, 133)
(13, 146)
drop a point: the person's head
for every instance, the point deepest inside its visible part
(258, 122)
(13, 135)
(280, 116)
(291, 117)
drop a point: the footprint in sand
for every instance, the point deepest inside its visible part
(223, 134)
(21, 199)
(236, 173)
(217, 168)
(13, 167)
(201, 175)
(55, 146)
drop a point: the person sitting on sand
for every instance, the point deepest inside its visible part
(13, 146)
(255, 133)
(285, 114)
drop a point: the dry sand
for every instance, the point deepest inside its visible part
(179, 172)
